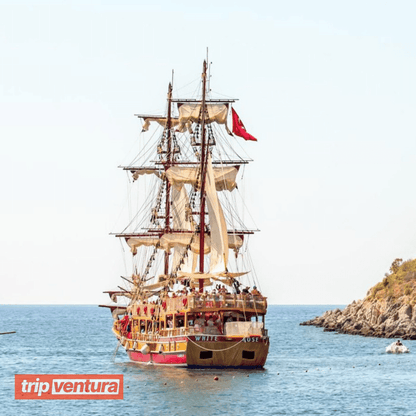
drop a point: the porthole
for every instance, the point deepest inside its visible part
(204, 355)
(248, 355)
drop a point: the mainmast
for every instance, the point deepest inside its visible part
(203, 168)
(168, 164)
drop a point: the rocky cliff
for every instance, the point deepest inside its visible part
(388, 310)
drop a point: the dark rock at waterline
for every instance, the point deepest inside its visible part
(371, 318)
(388, 311)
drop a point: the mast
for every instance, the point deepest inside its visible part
(203, 169)
(168, 164)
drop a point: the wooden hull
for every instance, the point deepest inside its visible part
(200, 351)
(239, 352)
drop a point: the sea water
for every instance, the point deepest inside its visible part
(308, 371)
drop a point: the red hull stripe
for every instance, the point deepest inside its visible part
(157, 358)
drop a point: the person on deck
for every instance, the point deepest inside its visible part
(211, 329)
(199, 324)
(255, 292)
(218, 323)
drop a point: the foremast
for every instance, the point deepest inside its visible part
(168, 164)
(202, 192)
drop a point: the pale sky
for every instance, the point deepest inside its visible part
(327, 87)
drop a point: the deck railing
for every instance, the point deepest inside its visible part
(204, 302)
(225, 301)
(230, 329)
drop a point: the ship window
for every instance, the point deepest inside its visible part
(248, 355)
(204, 355)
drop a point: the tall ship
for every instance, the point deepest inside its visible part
(190, 295)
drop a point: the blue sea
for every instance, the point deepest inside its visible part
(308, 371)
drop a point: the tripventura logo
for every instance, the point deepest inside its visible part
(67, 387)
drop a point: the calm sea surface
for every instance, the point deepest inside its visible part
(308, 372)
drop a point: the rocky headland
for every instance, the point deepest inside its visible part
(388, 310)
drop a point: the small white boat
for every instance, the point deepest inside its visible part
(396, 348)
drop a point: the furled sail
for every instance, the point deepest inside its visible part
(210, 278)
(197, 275)
(136, 242)
(137, 172)
(169, 241)
(219, 236)
(156, 286)
(224, 177)
(234, 241)
(161, 121)
(190, 113)
(172, 240)
(115, 293)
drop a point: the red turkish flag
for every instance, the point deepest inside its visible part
(239, 129)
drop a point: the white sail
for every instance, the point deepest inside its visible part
(172, 240)
(197, 275)
(234, 241)
(190, 113)
(182, 220)
(136, 242)
(136, 173)
(161, 121)
(224, 177)
(180, 203)
(156, 286)
(219, 236)
(169, 241)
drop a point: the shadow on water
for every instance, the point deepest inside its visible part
(180, 376)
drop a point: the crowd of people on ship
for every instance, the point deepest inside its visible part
(218, 290)
(219, 294)
(206, 323)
